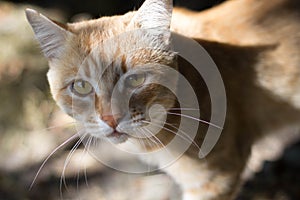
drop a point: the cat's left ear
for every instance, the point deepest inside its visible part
(51, 36)
(154, 14)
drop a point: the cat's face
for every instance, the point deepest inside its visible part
(110, 74)
(111, 90)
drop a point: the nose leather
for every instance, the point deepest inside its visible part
(111, 120)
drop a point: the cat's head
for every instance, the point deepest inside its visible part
(108, 73)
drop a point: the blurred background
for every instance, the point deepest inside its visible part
(31, 125)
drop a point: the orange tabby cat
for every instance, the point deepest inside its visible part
(254, 43)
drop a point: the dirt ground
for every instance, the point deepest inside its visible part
(31, 127)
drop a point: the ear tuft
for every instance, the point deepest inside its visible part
(50, 35)
(154, 14)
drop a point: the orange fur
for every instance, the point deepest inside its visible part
(255, 44)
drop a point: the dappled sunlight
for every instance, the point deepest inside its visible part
(34, 131)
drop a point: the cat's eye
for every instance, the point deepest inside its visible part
(135, 80)
(81, 88)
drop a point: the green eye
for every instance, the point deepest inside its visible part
(135, 80)
(82, 88)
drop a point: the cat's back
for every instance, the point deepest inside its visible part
(241, 21)
(254, 23)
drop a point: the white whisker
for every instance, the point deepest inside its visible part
(54, 127)
(191, 109)
(150, 137)
(62, 179)
(47, 158)
(86, 150)
(196, 119)
(157, 139)
(184, 133)
(188, 139)
(83, 154)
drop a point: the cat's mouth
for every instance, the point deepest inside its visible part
(117, 137)
(116, 134)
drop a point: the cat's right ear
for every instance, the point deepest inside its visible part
(154, 14)
(51, 36)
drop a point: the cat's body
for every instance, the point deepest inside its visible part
(254, 43)
(256, 23)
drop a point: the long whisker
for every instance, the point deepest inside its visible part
(93, 142)
(62, 179)
(60, 126)
(54, 127)
(184, 133)
(96, 142)
(149, 137)
(141, 141)
(160, 142)
(191, 109)
(86, 152)
(196, 119)
(146, 139)
(83, 154)
(186, 139)
(154, 141)
(48, 157)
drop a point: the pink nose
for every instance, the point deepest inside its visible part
(111, 120)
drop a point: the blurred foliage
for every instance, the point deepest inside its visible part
(22, 70)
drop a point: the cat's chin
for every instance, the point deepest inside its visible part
(117, 137)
